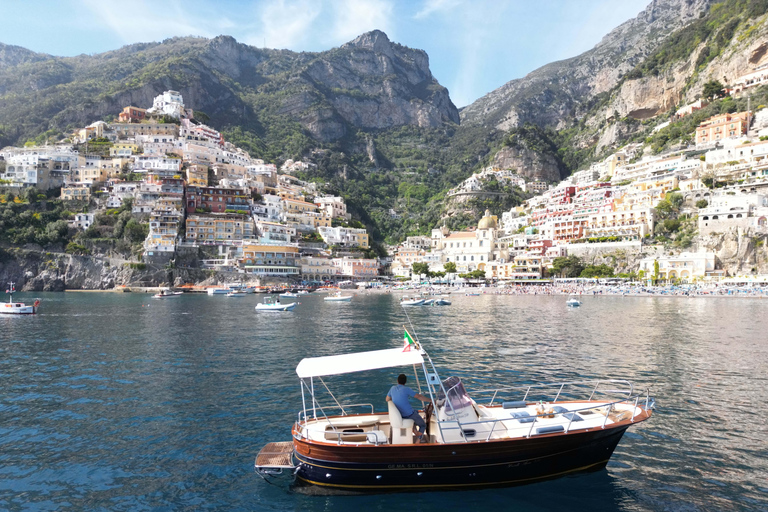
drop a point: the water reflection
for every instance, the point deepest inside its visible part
(119, 402)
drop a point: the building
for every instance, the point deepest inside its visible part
(81, 221)
(271, 260)
(216, 228)
(169, 103)
(132, 115)
(344, 237)
(686, 267)
(335, 207)
(197, 175)
(318, 269)
(217, 200)
(357, 269)
(76, 192)
(722, 126)
(470, 250)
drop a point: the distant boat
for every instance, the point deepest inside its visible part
(442, 301)
(289, 294)
(338, 297)
(237, 293)
(17, 308)
(303, 292)
(405, 301)
(573, 302)
(218, 291)
(164, 294)
(272, 304)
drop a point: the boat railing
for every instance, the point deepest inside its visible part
(563, 389)
(303, 417)
(608, 406)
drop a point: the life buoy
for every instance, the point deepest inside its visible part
(37, 302)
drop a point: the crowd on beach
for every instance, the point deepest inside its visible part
(708, 290)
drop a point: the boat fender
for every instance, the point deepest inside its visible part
(513, 405)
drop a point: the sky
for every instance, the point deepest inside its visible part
(474, 46)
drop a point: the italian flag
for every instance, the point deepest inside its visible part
(408, 341)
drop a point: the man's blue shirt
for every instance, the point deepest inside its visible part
(400, 394)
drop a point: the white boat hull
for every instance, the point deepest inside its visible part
(275, 307)
(347, 298)
(17, 308)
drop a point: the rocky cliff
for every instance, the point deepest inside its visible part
(552, 94)
(368, 83)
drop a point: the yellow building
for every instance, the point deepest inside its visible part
(78, 192)
(197, 175)
(276, 260)
(123, 149)
(215, 228)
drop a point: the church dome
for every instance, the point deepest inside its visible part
(488, 222)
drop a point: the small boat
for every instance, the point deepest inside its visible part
(428, 302)
(406, 301)
(441, 301)
(237, 293)
(303, 292)
(573, 302)
(17, 308)
(289, 294)
(274, 304)
(218, 291)
(166, 293)
(338, 297)
(532, 434)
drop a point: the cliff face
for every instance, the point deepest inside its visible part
(550, 94)
(530, 164)
(369, 83)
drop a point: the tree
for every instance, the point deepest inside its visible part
(420, 268)
(713, 89)
(570, 266)
(702, 203)
(655, 271)
(450, 267)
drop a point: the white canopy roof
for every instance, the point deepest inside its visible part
(357, 362)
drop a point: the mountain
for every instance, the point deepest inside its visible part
(552, 94)
(369, 83)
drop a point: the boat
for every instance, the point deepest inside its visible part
(237, 293)
(17, 308)
(303, 292)
(338, 297)
(274, 304)
(573, 302)
(493, 437)
(165, 293)
(441, 301)
(428, 302)
(407, 301)
(218, 291)
(289, 294)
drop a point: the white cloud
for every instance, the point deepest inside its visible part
(152, 21)
(288, 24)
(432, 6)
(354, 17)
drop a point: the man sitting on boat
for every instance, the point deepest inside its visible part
(399, 395)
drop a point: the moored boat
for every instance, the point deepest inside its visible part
(573, 302)
(166, 293)
(17, 308)
(237, 293)
(407, 301)
(500, 439)
(218, 291)
(274, 304)
(338, 297)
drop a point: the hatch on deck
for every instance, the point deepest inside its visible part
(274, 458)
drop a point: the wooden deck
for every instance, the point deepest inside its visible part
(275, 455)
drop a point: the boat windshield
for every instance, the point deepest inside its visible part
(457, 395)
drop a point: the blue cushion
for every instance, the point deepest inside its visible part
(550, 430)
(522, 417)
(572, 416)
(513, 405)
(559, 409)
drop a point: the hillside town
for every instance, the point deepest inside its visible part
(196, 190)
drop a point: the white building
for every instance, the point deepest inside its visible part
(686, 266)
(169, 103)
(331, 206)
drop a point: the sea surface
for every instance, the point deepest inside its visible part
(120, 402)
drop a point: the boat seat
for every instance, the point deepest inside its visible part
(352, 421)
(522, 417)
(402, 430)
(376, 437)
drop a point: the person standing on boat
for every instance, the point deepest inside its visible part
(399, 394)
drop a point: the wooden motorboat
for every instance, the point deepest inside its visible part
(508, 436)
(17, 308)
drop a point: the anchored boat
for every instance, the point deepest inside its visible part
(17, 308)
(503, 436)
(338, 297)
(272, 304)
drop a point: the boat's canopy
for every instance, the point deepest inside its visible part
(357, 362)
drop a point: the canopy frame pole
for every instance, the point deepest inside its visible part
(303, 401)
(343, 412)
(314, 403)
